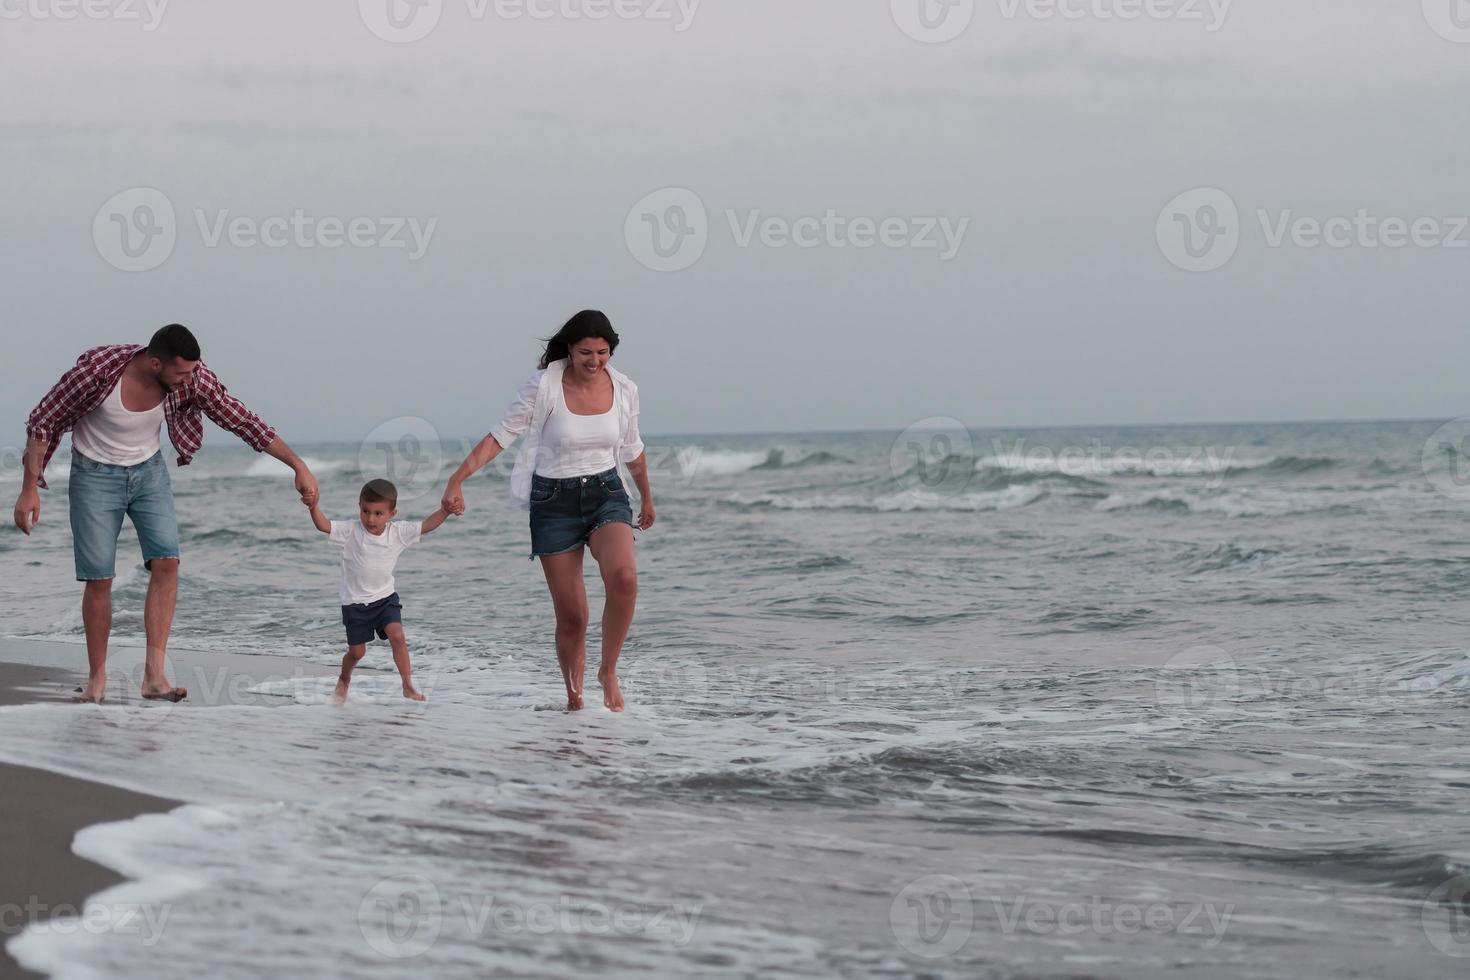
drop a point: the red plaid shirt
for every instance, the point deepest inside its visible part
(98, 371)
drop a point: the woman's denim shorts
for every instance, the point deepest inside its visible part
(101, 494)
(564, 513)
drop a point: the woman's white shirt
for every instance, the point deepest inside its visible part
(532, 406)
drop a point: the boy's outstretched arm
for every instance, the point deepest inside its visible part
(432, 521)
(319, 519)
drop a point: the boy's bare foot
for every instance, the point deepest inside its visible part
(612, 695)
(339, 696)
(413, 695)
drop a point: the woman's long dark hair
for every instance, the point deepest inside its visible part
(588, 323)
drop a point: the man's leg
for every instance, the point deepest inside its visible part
(158, 620)
(98, 501)
(151, 507)
(97, 620)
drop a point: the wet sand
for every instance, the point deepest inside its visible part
(42, 811)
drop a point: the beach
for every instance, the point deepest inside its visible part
(1137, 703)
(40, 876)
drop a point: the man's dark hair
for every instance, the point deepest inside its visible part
(375, 491)
(173, 341)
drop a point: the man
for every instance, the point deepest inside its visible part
(114, 402)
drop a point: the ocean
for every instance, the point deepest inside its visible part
(1135, 702)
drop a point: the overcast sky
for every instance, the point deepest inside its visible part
(1049, 148)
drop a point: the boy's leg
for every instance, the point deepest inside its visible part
(612, 546)
(400, 660)
(350, 659)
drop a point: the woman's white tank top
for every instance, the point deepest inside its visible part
(577, 445)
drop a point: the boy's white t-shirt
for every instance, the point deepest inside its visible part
(368, 560)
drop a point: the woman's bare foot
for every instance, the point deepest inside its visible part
(412, 694)
(339, 696)
(612, 695)
(574, 700)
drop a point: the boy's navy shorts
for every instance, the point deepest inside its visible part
(362, 621)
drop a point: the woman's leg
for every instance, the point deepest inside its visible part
(612, 546)
(569, 600)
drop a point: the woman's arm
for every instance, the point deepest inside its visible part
(517, 419)
(639, 471)
(480, 456)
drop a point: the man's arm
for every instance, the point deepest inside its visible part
(230, 414)
(319, 519)
(434, 520)
(28, 504)
(305, 482)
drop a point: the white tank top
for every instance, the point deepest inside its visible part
(112, 434)
(577, 445)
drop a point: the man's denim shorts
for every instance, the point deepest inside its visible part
(364, 620)
(564, 513)
(101, 494)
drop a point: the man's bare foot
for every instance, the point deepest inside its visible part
(413, 695)
(612, 695)
(164, 691)
(339, 696)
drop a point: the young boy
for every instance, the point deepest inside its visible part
(370, 548)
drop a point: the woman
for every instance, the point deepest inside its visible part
(579, 416)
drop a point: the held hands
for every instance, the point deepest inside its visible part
(306, 486)
(28, 510)
(453, 502)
